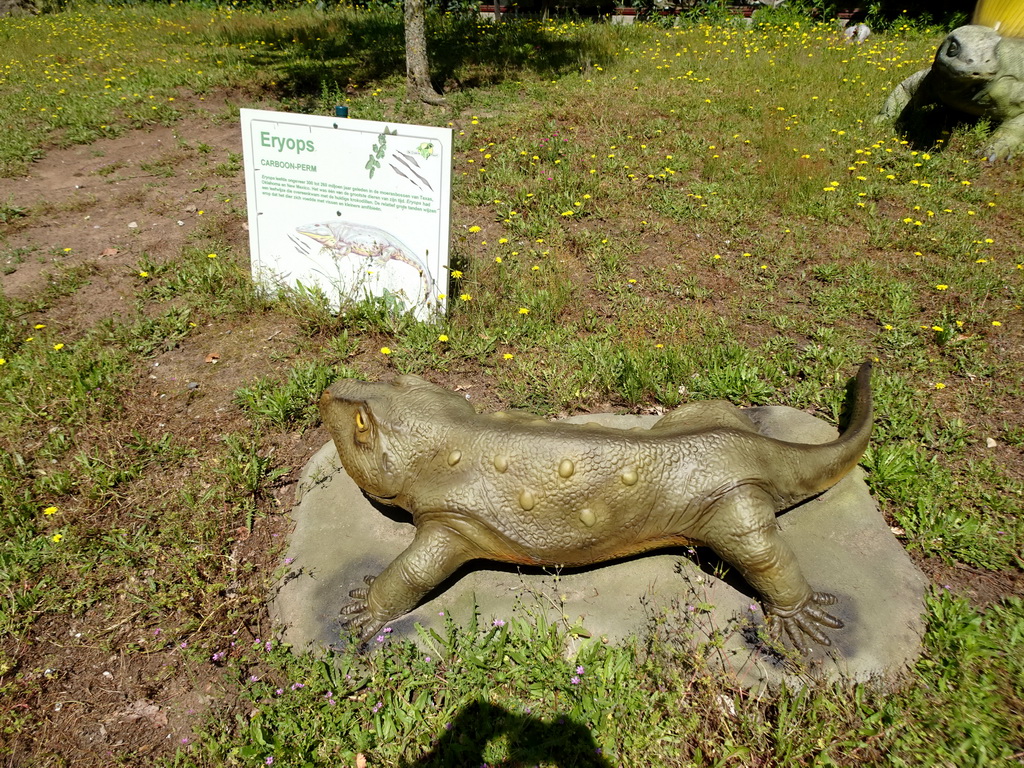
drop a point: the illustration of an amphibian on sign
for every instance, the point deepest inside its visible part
(369, 259)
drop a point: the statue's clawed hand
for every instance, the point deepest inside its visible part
(805, 621)
(356, 616)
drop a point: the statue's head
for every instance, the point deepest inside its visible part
(969, 53)
(381, 429)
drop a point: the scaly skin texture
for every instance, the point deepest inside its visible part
(975, 71)
(519, 489)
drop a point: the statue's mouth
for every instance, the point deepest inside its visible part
(387, 501)
(965, 73)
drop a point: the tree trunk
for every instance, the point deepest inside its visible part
(417, 64)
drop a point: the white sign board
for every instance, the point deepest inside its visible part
(354, 208)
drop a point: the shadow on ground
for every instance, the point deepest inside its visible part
(324, 54)
(529, 741)
(929, 128)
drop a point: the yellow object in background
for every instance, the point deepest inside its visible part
(1005, 16)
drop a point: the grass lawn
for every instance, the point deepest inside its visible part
(642, 216)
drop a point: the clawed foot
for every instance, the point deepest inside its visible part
(1001, 149)
(356, 616)
(805, 621)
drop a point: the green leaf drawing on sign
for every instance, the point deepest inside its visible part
(379, 148)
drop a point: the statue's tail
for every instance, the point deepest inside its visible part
(819, 467)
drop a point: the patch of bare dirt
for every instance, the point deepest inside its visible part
(92, 214)
(101, 207)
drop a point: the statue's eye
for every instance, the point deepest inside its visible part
(361, 423)
(953, 49)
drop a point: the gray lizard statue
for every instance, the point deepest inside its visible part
(976, 71)
(516, 488)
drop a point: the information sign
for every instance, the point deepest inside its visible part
(355, 208)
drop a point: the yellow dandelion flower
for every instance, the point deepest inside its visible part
(466, 297)
(474, 229)
(385, 350)
(58, 347)
(456, 273)
(939, 385)
(56, 538)
(996, 323)
(506, 356)
(211, 255)
(941, 287)
(442, 337)
(524, 311)
(50, 511)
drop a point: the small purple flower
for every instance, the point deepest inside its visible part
(575, 680)
(297, 686)
(387, 630)
(499, 623)
(183, 645)
(279, 691)
(289, 560)
(377, 707)
(269, 760)
(427, 659)
(267, 646)
(579, 670)
(754, 607)
(253, 679)
(218, 656)
(380, 638)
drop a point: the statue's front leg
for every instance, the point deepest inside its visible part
(434, 555)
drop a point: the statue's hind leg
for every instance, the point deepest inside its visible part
(746, 535)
